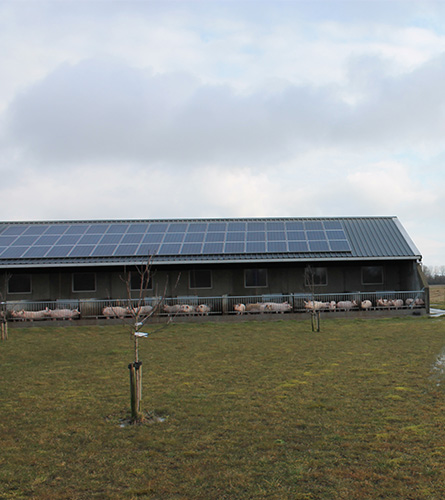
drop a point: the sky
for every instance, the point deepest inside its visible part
(247, 108)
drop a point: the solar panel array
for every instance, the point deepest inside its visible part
(124, 239)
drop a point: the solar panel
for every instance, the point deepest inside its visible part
(194, 237)
(318, 246)
(137, 228)
(25, 240)
(313, 225)
(35, 230)
(216, 226)
(111, 239)
(332, 224)
(117, 228)
(132, 238)
(59, 251)
(14, 230)
(69, 239)
(315, 235)
(170, 249)
(294, 226)
(215, 237)
(234, 248)
(57, 229)
(153, 238)
(256, 236)
(296, 235)
(36, 252)
(177, 228)
(103, 250)
(239, 236)
(340, 246)
(97, 229)
(298, 246)
(191, 248)
(123, 250)
(14, 252)
(157, 228)
(276, 236)
(275, 226)
(47, 240)
(336, 235)
(7, 240)
(213, 248)
(236, 226)
(256, 226)
(90, 239)
(148, 249)
(197, 228)
(81, 251)
(276, 246)
(256, 247)
(77, 229)
(173, 238)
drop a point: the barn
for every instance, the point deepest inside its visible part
(88, 264)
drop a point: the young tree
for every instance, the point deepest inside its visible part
(310, 284)
(139, 312)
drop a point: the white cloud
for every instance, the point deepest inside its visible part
(187, 109)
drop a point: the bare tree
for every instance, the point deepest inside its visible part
(139, 311)
(310, 284)
(4, 312)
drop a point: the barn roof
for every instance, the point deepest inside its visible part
(119, 242)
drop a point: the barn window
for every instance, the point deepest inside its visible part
(200, 278)
(255, 278)
(316, 276)
(372, 275)
(84, 282)
(135, 281)
(19, 283)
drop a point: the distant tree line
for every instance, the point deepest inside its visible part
(434, 274)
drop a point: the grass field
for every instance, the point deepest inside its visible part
(437, 296)
(254, 410)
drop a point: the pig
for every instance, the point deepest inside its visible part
(397, 303)
(172, 309)
(141, 310)
(239, 308)
(186, 309)
(114, 312)
(31, 315)
(278, 308)
(203, 310)
(255, 308)
(346, 304)
(64, 314)
(366, 304)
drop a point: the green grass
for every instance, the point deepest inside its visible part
(254, 410)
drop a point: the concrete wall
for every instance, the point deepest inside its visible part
(53, 284)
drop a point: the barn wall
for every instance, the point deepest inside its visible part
(343, 277)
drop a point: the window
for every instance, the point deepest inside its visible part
(200, 278)
(84, 282)
(135, 281)
(254, 278)
(316, 276)
(19, 283)
(372, 275)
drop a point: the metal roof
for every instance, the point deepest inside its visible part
(188, 241)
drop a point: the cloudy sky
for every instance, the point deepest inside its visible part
(158, 109)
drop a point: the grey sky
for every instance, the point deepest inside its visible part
(201, 109)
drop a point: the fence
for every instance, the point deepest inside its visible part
(222, 305)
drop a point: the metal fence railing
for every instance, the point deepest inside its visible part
(205, 306)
